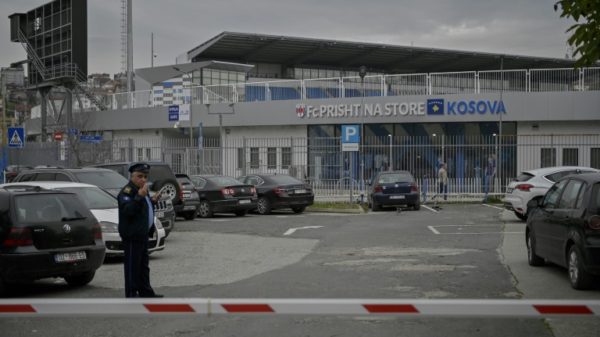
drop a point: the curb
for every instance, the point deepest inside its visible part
(356, 210)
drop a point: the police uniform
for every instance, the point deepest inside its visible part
(136, 216)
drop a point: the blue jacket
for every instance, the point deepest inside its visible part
(133, 214)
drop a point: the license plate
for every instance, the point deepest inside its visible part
(189, 207)
(245, 201)
(300, 191)
(70, 257)
(160, 214)
(397, 197)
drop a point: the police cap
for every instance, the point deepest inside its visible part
(139, 167)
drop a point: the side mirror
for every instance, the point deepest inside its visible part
(534, 203)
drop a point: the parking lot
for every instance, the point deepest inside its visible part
(458, 251)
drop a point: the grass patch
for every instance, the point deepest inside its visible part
(334, 205)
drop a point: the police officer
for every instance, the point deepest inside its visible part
(136, 217)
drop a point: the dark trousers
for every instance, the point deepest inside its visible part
(444, 190)
(137, 271)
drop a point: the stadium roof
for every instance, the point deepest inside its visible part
(298, 51)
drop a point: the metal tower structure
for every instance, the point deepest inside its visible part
(127, 42)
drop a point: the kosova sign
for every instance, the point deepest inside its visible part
(432, 107)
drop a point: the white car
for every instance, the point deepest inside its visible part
(105, 208)
(534, 184)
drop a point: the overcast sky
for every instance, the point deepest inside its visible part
(521, 27)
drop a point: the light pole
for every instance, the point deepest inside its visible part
(191, 104)
(390, 159)
(362, 71)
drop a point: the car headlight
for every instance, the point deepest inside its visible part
(109, 227)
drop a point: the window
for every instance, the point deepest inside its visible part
(595, 157)
(580, 197)
(272, 158)
(286, 157)
(140, 154)
(548, 157)
(569, 196)
(570, 157)
(240, 158)
(254, 161)
(148, 153)
(551, 198)
(62, 177)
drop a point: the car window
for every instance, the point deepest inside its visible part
(199, 182)
(45, 176)
(62, 177)
(27, 177)
(524, 176)
(595, 204)
(94, 198)
(36, 208)
(104, 179)
(389, 178)
(554, 177)
(551, 198)
(253, 180)
(569, 196)
(579, 202)
(160, 172)
(283, 179)
(185, 181)
(224, 181)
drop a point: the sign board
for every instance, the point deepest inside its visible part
(173, 113)
(57, 135)
(16, 137)
(90, 139)
(350, 137)
(184, 112)
(72, 131)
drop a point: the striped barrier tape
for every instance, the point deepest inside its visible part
(205, 306)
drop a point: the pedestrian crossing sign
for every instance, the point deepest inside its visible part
(16, 137)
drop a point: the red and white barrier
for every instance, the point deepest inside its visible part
(206, 306)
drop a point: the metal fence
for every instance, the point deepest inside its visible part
(471, 82)
(334, 174)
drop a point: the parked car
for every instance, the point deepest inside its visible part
(223, 194)
(394, 188)
(276, 191)
(191, 200)
(564, 228)
(47, 233)
(105, 208)
(534, 184)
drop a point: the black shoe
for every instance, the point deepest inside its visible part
(153, 296)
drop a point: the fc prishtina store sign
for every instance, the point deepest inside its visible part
(430, 107)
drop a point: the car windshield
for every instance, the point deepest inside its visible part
(160, 172)
(400, 177)
(93, 197)
(524, 176)
(282, 179)
(104, 179)
(36, 208)
(224, 181)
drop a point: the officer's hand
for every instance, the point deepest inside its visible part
(143, 191)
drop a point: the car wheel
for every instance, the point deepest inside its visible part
(240, 213)
(263, 206)
(417, 206)
(298, 210)
(81, 279)
(579, 277)
(523, 217)
(532, 257)
(191, 215)
(172, 189)
(205, 209)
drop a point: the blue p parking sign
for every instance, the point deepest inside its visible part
(350, 137)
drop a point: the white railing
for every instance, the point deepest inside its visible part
(470, 82)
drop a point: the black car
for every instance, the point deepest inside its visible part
(191, 199)
(47, 233)
(564, 228)
(223, 194)
(277, 191)
(160, 176)
(394, 188)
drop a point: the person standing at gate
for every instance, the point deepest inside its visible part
(136, 219)
(443, 180)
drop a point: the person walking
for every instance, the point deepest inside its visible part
(443, 180)
(136, 220)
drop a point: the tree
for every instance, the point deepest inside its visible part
(585, 38)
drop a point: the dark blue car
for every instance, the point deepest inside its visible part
(394, 188)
